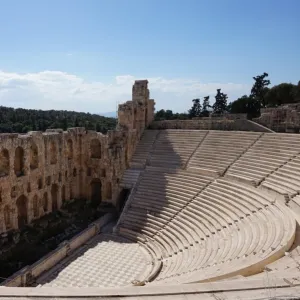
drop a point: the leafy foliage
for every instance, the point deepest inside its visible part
(23, 120)
(168, 115)
(258, 90)
(220, 106)
(195, 111)
(205, 107)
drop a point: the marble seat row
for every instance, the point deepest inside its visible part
(220, 149)
(143, 149)
(174, 147)
(270, 152)
(237, 240)
(286, 179)
(130, 177)
(223, 228)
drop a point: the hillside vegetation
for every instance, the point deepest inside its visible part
(23, 120)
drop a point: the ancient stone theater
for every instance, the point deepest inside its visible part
(207, 208)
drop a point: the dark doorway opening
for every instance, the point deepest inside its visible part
(123, 197)
(96, 192)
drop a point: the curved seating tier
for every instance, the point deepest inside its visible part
(270, 152)
(286, 179)
(220, 149)
(143, 148)
(174, 147)
(201, 228)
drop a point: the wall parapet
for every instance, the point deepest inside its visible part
(209, 124)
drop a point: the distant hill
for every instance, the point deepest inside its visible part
(111, 114)
(23, 120)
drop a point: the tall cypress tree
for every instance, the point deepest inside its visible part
(195, 111)
(220, 105)
(205, 107)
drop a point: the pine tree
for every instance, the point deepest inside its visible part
(195, 111)
(258, 90)
(205, 107)
(220, 105)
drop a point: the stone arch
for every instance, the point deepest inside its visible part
(4, 162)
(45, 202)
(54, 196)
(19, 161)
(35, 206)
(22, 204)
(34, 158)
(53, 153)
(96, 191)
(69, 151)
(63, 193)
(95, 148)
(7, 217)
(108, 192)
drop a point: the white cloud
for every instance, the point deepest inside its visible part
(60, 90)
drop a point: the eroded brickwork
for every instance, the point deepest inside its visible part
(39, 171)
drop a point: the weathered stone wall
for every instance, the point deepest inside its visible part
(285, 118)
(209, 124)
(39, 171)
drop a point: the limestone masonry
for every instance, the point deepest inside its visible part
(39, 171)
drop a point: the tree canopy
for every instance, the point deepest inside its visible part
(23, 120)
(220, 105)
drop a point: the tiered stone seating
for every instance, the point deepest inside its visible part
(173, 148)
(130, 177)
(203, 229)
(220, 149)
(269, 153)
(143, 149)
(238, 228)
(286, 179)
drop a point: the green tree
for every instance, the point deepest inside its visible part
(258, 90)
(195, 110)
(280, 94)
(205, 107)
(220, 105)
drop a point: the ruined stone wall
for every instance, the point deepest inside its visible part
(39, 171)
(285, 118)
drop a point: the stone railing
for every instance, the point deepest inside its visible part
(28, 274)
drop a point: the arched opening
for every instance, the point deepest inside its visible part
(34, 159)
(108, 190)
(95, 149)
(53, 153)
(96, 192)
(45, 202)
(19, 161)
(7, 217)
(35, 205)
(63, 193)
(4, 162)
(69, 149)
(22, 211)
(54, 196)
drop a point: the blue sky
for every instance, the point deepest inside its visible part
(84, 55)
